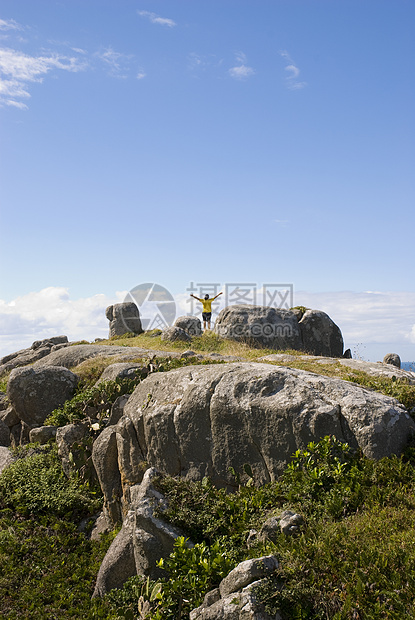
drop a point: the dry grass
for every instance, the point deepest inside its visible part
(208, 342)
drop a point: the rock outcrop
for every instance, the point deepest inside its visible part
(203, 420)
(74, 355)
(235, 598)
(260, 326)
(393, 359)
(190, 324)
(35, 393)
(124, 318)
(141, 542)
(320, 335)
(175, 333)
(312, 331)
(38, 350)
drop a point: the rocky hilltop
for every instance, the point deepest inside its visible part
(204, 420)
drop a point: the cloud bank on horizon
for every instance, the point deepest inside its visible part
(368, 320)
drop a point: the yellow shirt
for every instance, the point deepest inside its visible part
(207, 304)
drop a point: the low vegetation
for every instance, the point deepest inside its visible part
(355, 556)
(47, 566)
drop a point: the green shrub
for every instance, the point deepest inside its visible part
(48, 569)
(191, 572)
(206, 513)
(36, 484)
(99, 399)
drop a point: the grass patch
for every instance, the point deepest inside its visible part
(3, 382)
(208, 342)
(395, 387)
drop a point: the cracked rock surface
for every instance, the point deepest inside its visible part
(202, 420)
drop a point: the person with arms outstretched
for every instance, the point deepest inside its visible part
(207, 308)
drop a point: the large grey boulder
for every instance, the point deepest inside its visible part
(35, 393)
(393, 359)
(141, 542)
(320, 335)
(123, 318)
(312, 331)
(261, 326)
(203, 420)
(190, 324)
(235, 598)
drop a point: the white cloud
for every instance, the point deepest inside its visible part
(293, 71)
(18, 69)
(241, 70)
(156, 19)
(141, 74)
(9, 24)
(51, 312)
(15, 104)
(116, 62)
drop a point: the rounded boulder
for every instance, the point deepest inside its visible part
(34, 393)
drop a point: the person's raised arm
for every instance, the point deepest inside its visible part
(194, 297)
(218, 295)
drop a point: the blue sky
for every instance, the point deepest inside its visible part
(221, 141)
